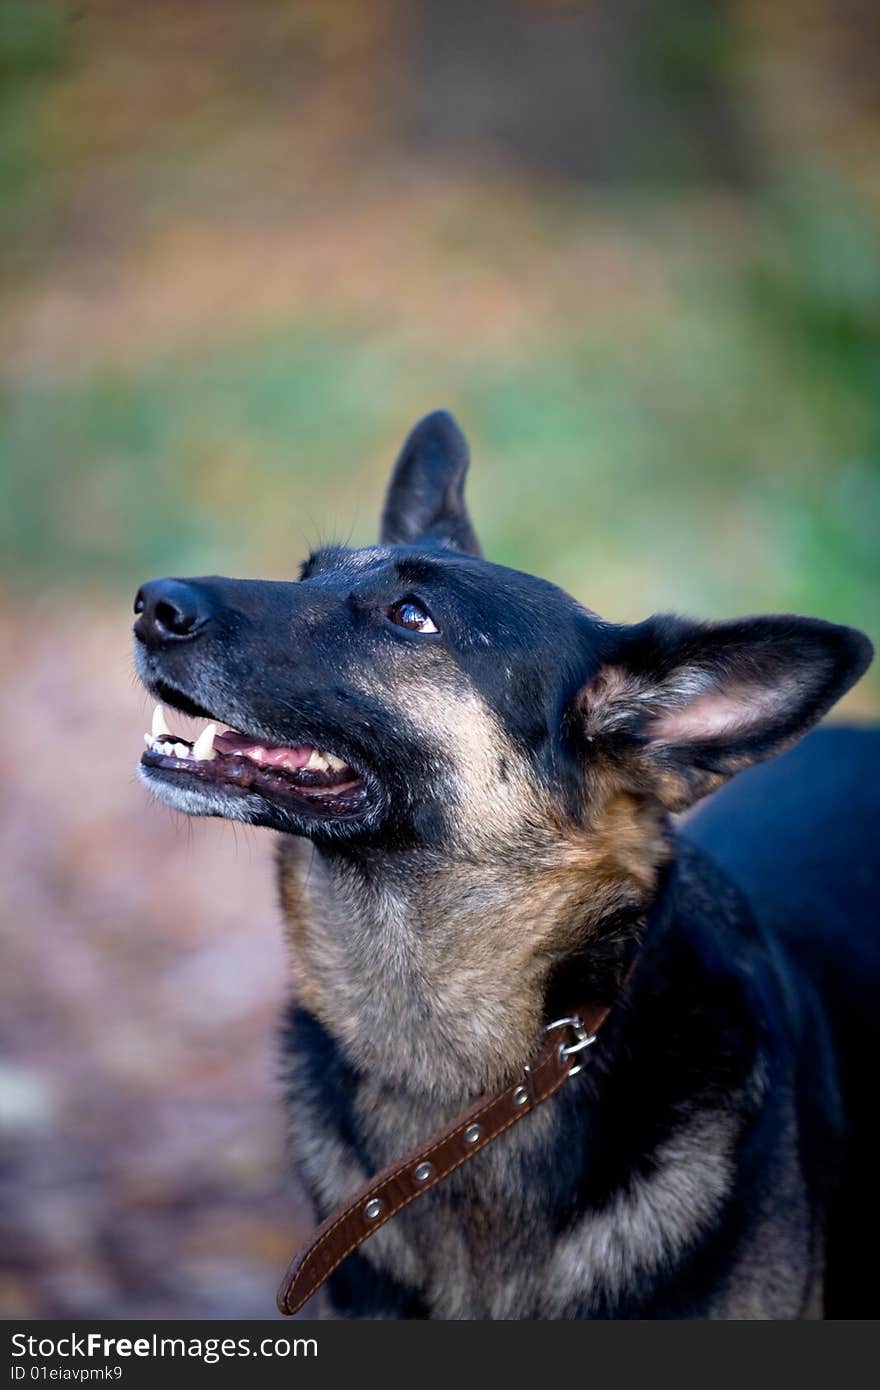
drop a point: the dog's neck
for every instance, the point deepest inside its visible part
(435, 975)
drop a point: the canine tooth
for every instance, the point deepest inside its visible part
(181, 750)
(317, 762)
(203, 748)
(336, 763)
(148, 740)
(160, 724)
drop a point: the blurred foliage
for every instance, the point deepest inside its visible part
(709, 445)
(34, 43)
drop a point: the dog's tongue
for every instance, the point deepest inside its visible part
(290, 758)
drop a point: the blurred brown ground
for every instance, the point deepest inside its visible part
(143, 1171)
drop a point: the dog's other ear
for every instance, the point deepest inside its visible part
(693, 703)
(425, 500)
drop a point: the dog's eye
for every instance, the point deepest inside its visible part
(409, 613)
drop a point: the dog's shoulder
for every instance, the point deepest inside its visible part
(799, 834)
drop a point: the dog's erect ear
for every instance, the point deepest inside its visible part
(689, 704)
(425, 500)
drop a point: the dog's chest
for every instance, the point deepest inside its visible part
(513, 1233)
(477, 1246)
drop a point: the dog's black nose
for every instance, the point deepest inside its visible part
(170, 610)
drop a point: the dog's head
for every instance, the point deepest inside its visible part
(414, 691)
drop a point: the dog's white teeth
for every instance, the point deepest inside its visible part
(181, 750)
(335, 763)
(148, 740)
(203, 748)
(166, 748)
(160, 724)
(317, 762)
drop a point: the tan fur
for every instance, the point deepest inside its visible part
(652, 1220)
(293, 881)
(466, 938)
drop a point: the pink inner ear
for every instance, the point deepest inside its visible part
(714, 714)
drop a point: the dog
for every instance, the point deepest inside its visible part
(480, 787)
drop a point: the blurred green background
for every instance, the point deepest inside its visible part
(244, 244)
(634, 247)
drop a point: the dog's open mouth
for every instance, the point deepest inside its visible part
(299, 776)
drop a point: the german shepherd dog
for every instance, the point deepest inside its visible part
(477, 783)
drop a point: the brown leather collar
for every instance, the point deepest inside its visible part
(420, 1169)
